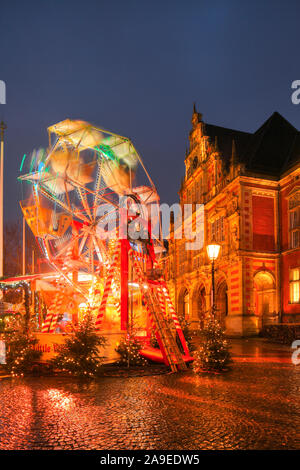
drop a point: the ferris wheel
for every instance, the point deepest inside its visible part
(94, 223)
(80, 190)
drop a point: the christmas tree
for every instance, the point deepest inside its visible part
(129, 346)
(214, 354)
(20, 342)
(79, 355)
(153, 339)
(129, 350)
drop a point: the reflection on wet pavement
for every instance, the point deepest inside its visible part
(254, 406)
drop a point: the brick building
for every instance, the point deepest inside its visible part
(249, 184)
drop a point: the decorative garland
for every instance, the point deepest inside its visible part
(27, 292)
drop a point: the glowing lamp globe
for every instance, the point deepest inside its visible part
(213, 251)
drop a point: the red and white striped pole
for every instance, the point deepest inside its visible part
(56, 312)
(107, 288)
(51, 318)
(48, 320)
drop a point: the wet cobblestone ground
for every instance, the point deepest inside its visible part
(254, 406)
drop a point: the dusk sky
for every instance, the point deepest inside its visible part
(136, 67)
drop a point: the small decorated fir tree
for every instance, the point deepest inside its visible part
(153, 339)
(214, 354)
(129, 350)
(79, 355)
(20, 342)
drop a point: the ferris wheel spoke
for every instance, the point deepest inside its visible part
(82, 243)
(67, 246)
(76, 184)
(84, 202)
(101, 252)
(97, 250)
(91, 255)
(107, 216)
(97, 188)
(67, 196)
(64, 206)
(69, 281)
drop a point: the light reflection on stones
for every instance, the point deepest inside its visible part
(255, 406)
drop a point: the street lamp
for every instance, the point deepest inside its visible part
(213, 250)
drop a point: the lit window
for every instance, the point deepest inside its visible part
(186, 300)
(294, 220)
(295, 239)
(295, 285)
(217, 230)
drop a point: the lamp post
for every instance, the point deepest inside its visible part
(23, 248)
(213, 250)
(2, 129)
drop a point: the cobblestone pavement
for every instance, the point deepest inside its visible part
(254, 406)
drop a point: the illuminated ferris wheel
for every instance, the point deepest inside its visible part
(94, 224)
(78, 191)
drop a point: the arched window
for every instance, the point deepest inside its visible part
(186, 300)
(183, 303)
(264, 295)
(199, 306)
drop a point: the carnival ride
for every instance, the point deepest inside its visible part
(94, 226)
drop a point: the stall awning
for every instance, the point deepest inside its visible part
(28, 278)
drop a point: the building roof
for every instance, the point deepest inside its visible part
(271, 150)
(223, 138)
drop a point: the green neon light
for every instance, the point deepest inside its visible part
(107, 152)
(23, 160)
